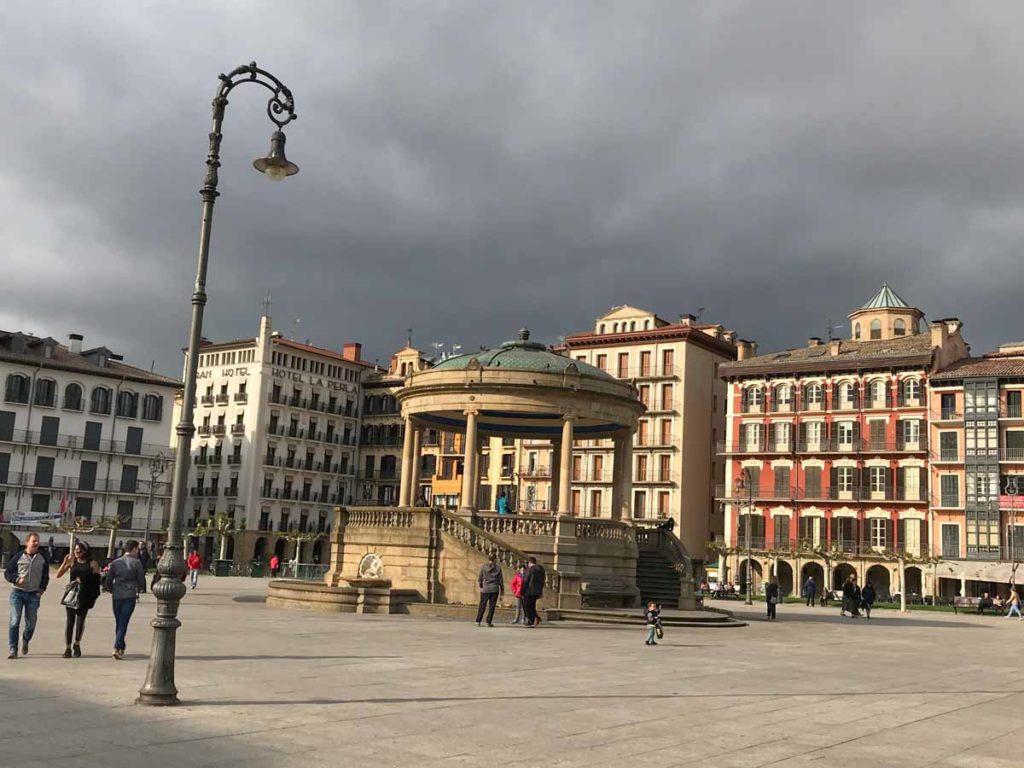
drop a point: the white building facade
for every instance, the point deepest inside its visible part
(277, 426)
(82, 434)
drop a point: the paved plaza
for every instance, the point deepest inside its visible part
(265, 687)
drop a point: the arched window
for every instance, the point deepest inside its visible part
(911, 390)
(783, 395)
(127, 404)
(17, 388)
(600, 328)
(73, 397)
(647, 325)
(856, 331)
(876, 329)
(615, 327)
(813, 394)
(100, 402)
(754, 397)
(878, 392)
(846, 392)
(899, 328)
(46, 392)
(152, 407)
(632, 325)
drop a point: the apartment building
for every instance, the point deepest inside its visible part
(82, 434)
(675, 368)
(828, 451)
(278, 425)
(977, 470)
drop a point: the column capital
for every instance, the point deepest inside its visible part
(471, 412)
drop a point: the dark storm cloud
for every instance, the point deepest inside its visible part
(468, 168)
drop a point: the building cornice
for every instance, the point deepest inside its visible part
(681, 333)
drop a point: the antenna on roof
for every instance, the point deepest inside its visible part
(266, 305)
(831, 327)
(408, 340)
(700, 312)
(152, 366)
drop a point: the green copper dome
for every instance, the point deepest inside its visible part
(886, 298)
(522, 355)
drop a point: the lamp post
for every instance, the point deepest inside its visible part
(156, 468)
(159, 688)
(741, 483)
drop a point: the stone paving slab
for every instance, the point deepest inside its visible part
(266, 687)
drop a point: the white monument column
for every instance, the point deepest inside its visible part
(618, 477)
(565, 468)
(407, 450)
(556, 463)
(417, 461)
(626, 510)
(469, 494)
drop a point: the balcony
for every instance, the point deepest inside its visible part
(648, 477)
(218, 429)
(651, 371)
(241, 397)
(947, 414)
(768, 491)
(203, 430)
(223, 398)
(199, 460)
(238, 429)
(592, 476)
(206, 400)
(655, 441)
(1012, 454)
(537, 473)
(755, 446)
(1011, 411)
(657, 405)
(234, 460)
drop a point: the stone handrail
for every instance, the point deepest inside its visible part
(609, 530)
(525, 525)
(377, 517)
(669, 544)
(484, 542)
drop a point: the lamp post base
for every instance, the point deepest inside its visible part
(159, 689)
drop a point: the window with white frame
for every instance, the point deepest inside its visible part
(879, 531)
(844, 477)
(911, 429)
(814, 394)
(877, 476)
(844, 432)
(813, 432)
(878, 392)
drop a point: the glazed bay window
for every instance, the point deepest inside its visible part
(981, 398)
(982, 485)
(981, 439)
(982, 533)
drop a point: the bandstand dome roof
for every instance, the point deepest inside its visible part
(522, 355)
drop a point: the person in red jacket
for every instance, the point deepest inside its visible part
(517, 591)
(195, 562)
(275, 564)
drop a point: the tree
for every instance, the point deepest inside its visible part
(300, 538)
(903, 558)
(76, 526)
(113, 524)
(220, 526)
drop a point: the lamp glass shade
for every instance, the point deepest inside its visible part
(275, 166)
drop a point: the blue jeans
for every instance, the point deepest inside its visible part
(1015, 608)
(651, 630)
(123, 610)
(29, 603)
(193, 576)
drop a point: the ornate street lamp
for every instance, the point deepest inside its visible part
(157, 466)
(159, 688)
(743, 482)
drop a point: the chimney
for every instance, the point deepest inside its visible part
(743, 349)
(352, 350)
(729, 337)
(940, 333)
(686, 320)
(75, 343)
(834, 347)
(814, 341)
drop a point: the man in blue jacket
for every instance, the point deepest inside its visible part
(29, 572)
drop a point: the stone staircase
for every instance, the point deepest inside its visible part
(656, 578)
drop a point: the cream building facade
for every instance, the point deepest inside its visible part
(277, 431)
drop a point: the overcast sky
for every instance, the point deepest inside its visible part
(472, 167)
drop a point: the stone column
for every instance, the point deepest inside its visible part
(417, 461)
(556, 463)
(618, 477)
(407, 451)
(469, 494)
(626, 512)
(565, 468)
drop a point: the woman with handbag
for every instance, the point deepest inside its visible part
(79, 596)
(771, 597)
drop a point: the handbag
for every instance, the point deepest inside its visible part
(659, 631)
(72, 595)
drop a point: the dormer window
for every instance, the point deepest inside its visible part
(876, 329)
(600, 328)
(899, 328)
(856, 331)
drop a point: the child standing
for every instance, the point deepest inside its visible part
(517, 591)
(653, 617)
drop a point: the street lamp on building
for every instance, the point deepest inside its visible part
(744, 483)
(157, 467)
(159, 688)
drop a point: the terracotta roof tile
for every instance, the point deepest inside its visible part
(989, 365)
(907, 350)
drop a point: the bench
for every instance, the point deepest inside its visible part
(972, 603)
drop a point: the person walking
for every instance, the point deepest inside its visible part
(195, 562)
(516, 586)
(80, 596)
(125, 580)
(1013, 604)
(847, 604)
(533, 590)
(771, 597)
(29, 572)
(145, 558)
(810, 588)
(275, 564)
(867, 598)
(652, 617)
(492, 586)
